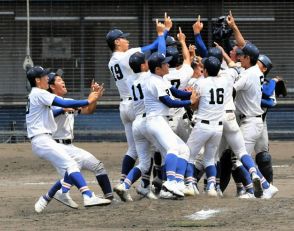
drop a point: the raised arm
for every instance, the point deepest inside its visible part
(162, 31)
(201, 48)
(238, 36)
(185, 51)
(227, 58)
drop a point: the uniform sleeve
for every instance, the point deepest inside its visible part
(46, 98)
(242, 84)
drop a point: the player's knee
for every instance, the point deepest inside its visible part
(184, 152)
(98, 168)
(72, 168)
(264, 163)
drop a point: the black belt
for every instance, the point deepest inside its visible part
(144, 115)
(229, 111)
(41, 134)
(244, 116)
(130, 98)
(207, 122)
(61, 141)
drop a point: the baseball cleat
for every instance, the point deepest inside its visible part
(247, 195)
(270, 192)
(95, 201)
(65, 199)
(123, 193)
(191, 190)
(219, 191)
(257, 185)
(163, 194)
(146, 192)
(240, 192)
(41, 204)
(172, 186)
(210, 191)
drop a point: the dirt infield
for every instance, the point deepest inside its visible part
(25, 177)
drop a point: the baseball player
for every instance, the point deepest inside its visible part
(231, 131)
(263, 158)
(247, 101)
(139, 65)
(158, 98)
(64, 134)
(179, 76)
(135, 83)
(40, 126)
(120, 69)
(208, 128)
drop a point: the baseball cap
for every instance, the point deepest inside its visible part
(265, 60)
(115, 34)
(52, 76)
(215, 52)
(37, 72)
(136, 60)
(170, 41)
(212, 65)
(251, 50)
(157, 59)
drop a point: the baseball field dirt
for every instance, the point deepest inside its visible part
(24, 177)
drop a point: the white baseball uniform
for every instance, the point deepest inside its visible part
(64, 135)
(179, 79)
(157, 118)
(140, 133)
(247, 101)
(40, 126)
(121, 71)
(231, 131)
(262, 144)
(209, 118)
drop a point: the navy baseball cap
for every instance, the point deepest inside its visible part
(212, 65)
(157, 59)
(136, 60)
(52, 76)
(37, 72)
(251, 50)
(215, 52)
(115, 34)
(170, 41)
(266, 62)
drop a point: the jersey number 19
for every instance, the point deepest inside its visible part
(116, 72)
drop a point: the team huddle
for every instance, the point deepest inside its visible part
(203, 116)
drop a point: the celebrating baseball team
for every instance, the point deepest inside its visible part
(188, 112)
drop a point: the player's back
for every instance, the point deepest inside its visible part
(137, 88)
(231, 74)
(179, 78)
(156, 87)
(120, 70)
(211, 105)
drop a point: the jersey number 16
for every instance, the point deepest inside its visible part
(216, 95)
